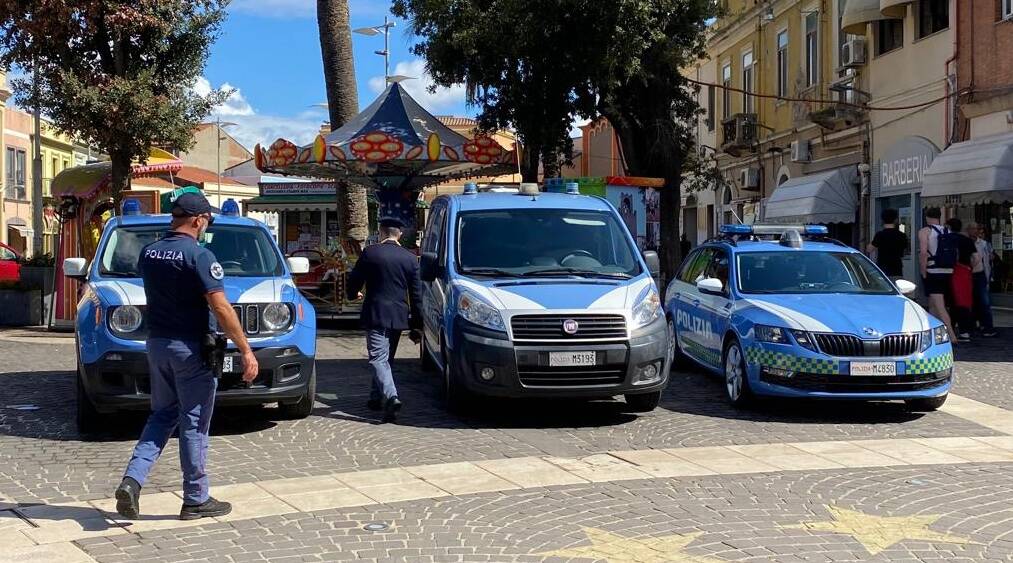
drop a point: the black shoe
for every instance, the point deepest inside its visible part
(128, 498)
(390, 409)
(211, 507)
(374, 405)
(990, 334)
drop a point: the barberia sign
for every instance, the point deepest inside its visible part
(297, 188)
(903, 166)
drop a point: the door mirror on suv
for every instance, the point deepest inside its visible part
(905, 287)
(653, 262)
(75, 268)
(429, 266)
(298, 264)
(711, 286)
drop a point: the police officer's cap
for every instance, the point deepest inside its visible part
(192, 204)
(391, 222)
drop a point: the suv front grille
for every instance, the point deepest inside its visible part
(849, 345)
(550, 327)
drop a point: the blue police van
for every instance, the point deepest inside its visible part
(535, 294)
(786, 311)
(280, 324)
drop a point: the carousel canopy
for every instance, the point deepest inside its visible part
(85, 181)
(393, 143)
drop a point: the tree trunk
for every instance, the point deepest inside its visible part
(120, 174)
(529, 161)
(342, 105)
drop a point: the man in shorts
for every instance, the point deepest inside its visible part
(935, 279)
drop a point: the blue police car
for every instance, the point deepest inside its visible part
(786, 311)
(110, 332)
(540, 295)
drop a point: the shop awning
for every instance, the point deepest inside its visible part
(894, 8)
(826, 197)
(975, 171)
(275, 203)
(858, 13)
(23, 230)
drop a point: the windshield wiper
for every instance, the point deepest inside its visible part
(488, 272)
(575, 272)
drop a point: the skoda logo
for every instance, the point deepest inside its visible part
(570, 326)
(870, 331)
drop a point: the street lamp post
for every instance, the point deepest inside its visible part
(218, 155)
(377, 30)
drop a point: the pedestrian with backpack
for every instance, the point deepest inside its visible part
(936, 259)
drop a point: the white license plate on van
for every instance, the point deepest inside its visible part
(572, 359)
(874, 368)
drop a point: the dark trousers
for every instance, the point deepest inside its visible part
(982, 301)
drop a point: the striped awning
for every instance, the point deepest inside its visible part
(276, 203)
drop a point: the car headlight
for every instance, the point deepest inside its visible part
(940, 334)
(647, 307)
(125, 319)
(277, 316)
(773, 334)
(803, 339)
(474, 310)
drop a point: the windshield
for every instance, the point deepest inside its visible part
(810, 272)
(544, 242)
(242, 251)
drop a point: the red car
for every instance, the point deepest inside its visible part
(10, 269)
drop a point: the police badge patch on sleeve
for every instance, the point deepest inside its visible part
(216, 271)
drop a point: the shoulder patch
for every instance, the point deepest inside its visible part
(216, 271)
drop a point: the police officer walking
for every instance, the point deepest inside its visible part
(390, 274)
(182, 284)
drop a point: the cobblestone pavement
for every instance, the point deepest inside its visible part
(929, 513)
(42, 457)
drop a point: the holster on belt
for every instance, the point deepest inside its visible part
(213, 351)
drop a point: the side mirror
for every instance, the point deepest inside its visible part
(76, 268)
(298, 264)
(905, 287)
(653, 262)
(429, 266)
(711, 286)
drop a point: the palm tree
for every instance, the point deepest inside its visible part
(342, 105)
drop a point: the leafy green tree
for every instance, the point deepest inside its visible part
(118, 72)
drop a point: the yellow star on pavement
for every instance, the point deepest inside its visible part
(611, 547)
(876, 533)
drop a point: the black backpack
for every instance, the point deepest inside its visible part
(947, 249)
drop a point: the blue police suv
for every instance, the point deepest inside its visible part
(112, 370)
(785, 311)
(540, 295)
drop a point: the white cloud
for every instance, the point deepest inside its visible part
(288, 9)
(253, 127)
(576, 125)
(442, 99)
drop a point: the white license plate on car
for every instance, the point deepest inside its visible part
(571, 359)
(231, 364)
(874, 368)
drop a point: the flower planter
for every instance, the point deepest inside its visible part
(19, 307)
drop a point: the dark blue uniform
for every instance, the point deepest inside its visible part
(178, 274)
(390, 275)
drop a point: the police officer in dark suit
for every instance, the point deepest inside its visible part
(183, 286)
(390, 274)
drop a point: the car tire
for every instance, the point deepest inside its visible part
(88, 418)
(304, 406)
(736, 378)
(679, 360)
(455, 396)
(428, 364)
(643, 402)
(925, 405)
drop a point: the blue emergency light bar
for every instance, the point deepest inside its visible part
(131, 206)
(230, 207)
(807, 230)
(470, 188)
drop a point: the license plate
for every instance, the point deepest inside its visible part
(569, 359)
(874, 368)
(231, 364)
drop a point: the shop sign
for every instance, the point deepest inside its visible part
(297, 188)
(903, 166)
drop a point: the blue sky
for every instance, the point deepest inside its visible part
(269, 52)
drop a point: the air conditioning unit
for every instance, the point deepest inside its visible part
(853, 53)
(738, 133)
(800, 151)
(749, 178)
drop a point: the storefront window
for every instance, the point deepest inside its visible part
(302, 231)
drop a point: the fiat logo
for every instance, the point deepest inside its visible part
(570, 326)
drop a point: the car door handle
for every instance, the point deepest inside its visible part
(696, 302)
